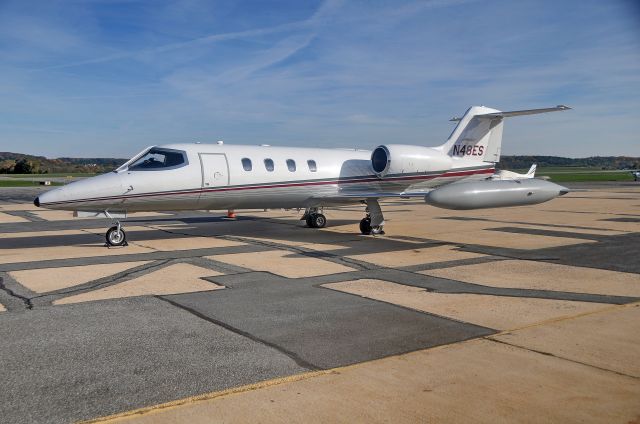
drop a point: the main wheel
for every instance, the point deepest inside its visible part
(309, 221)
(365, 226)
(377, 230)
(318, 220)
(116, 237)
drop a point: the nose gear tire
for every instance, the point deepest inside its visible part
(116, 237)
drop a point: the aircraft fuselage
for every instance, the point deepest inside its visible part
(218, 176)
(213, 176)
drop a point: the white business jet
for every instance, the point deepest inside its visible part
(455, 175)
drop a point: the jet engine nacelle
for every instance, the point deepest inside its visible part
(393, 159)
(494, 194)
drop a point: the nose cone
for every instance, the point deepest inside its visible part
(48, 199)
(77, 195)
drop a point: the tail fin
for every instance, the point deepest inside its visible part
(503, 174)
(478, 135)
(532, 171)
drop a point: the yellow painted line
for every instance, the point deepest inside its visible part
(208, 396)
(250, 387)
(565, 318)
(304, 376)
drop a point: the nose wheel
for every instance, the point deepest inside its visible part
(116, 236)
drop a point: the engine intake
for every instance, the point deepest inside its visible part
(380, 159)
(395, 159)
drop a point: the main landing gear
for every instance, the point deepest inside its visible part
(314, 218)
(373, 222)
(116, 237)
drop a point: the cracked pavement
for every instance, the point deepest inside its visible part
(110, 355)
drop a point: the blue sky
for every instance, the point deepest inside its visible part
(109, 77)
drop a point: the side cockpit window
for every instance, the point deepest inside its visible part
(246, 164)
(159, 159)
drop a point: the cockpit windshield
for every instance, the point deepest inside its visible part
(158, 158)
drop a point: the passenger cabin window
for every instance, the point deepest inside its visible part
(246, 164)
(312, 165)
(268, 163)
(159, 159)
(291, 165)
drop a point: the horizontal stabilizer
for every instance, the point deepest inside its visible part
(523, 112)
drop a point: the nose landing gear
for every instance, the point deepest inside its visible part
(116, 237)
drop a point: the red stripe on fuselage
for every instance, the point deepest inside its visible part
(282, 185)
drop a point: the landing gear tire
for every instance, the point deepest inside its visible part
(365, 226)
(314, 218)
(367, 229)
(377, 230)
(317, 220)
(116, 236)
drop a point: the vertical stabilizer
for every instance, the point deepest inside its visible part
(476, 137)
(532, 171)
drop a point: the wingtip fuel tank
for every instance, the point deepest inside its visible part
(494, 194)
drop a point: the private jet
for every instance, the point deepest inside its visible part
(459, 174)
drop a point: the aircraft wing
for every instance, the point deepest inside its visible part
(370, 195)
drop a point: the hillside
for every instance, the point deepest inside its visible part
(18, 163)
(597, 162)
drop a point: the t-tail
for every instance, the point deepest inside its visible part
(478, 135)
(477, 139)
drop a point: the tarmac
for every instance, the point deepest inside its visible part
(526, 314)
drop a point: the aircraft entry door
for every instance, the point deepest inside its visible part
(215, 170)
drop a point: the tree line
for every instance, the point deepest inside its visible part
(17, 163)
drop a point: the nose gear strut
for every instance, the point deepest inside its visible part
(115, 236)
